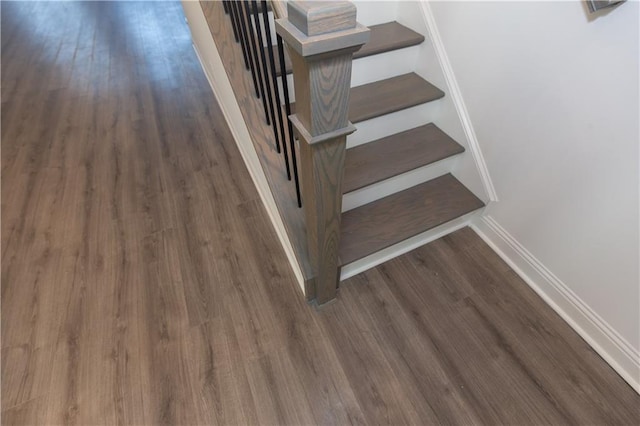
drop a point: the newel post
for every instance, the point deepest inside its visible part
(322, 36)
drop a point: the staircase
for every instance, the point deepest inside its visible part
(399, 185)
(387, 221)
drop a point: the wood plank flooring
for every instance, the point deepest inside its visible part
(262, 136)
(143, 284)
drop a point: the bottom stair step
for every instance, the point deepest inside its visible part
(395, 218)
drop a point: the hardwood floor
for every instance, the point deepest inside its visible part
(142, 282)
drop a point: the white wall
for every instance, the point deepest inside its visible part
(553, 96)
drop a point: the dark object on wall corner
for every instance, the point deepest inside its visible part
(596, 5)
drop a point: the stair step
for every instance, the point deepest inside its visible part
(383, 38)
(390, 220)
(393, 94)
(396, 154)
(390, 95)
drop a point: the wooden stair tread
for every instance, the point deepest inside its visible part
(390, 95)
(383, 38)
(396, 154)
(390, 220)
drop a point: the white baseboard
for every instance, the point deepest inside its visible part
(614, 349)
(211, 63)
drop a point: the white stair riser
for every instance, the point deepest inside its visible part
(384, 65)
(393, 123)
(376, 12)
(398, 183)
(374, 68)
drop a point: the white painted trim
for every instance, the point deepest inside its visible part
(453, 90)
(231, 110)
(615, 350)
(405, 246)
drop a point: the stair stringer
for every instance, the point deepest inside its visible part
(452, 117)
(211, 61)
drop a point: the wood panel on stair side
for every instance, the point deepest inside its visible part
(283, 190)
(390, 220)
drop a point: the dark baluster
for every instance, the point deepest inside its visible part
(254, 50)
(225, 4)
(287, 104)
(247, 44)
(236, 19)
(275, 103)
(233, 21)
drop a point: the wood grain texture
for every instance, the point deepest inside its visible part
(322, 167)
(316, 45)
(279, 8)
(383, 38)
(322, 92)
(283, 190)
(387, 157)
(143, 284)
(322, 86)
(390, 95)
(321, 17)
(395, 218)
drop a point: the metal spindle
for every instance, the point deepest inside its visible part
(275, 103)
(243, 27)
(236, 19)
(245, 35)
(254, 50)
(287, 104)
(233, 21)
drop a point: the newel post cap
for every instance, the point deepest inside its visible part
(317, 27)
(321, 17)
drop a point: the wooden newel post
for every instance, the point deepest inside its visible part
(322, 36)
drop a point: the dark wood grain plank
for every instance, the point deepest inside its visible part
(395, 218)
(142, 282)
(262, 136)
(390, 95)
(387, 157)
